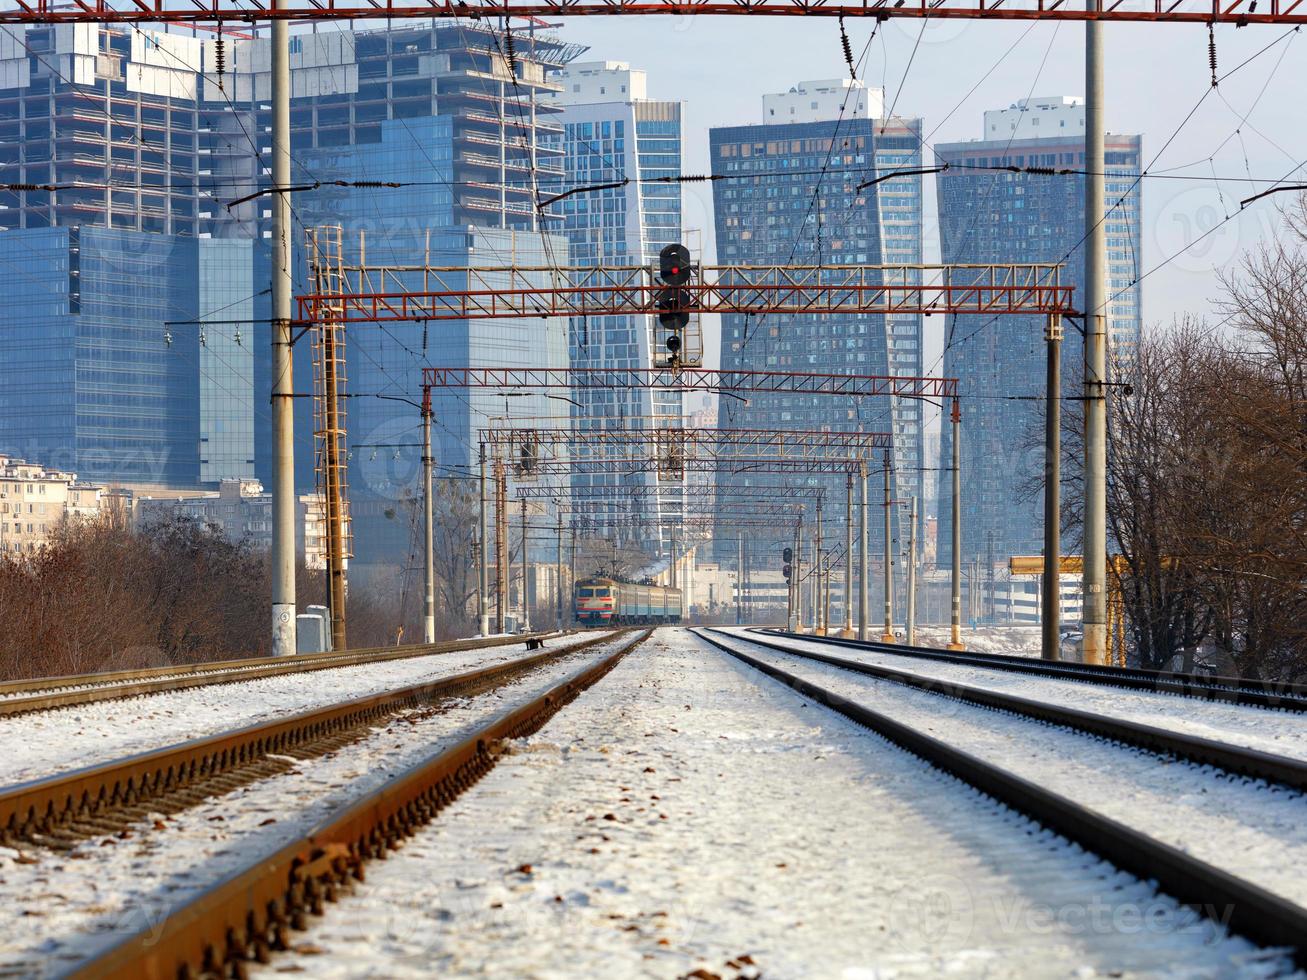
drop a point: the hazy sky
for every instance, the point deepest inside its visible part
(1156, 74)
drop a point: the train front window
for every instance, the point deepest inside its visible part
(586, 593)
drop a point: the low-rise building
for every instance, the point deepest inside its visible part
(242, 510)
(35, 500)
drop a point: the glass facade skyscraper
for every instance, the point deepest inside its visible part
(790, 195)
(611, 131)
(440, 108)
(1001, 216)
(898, 148)
(772, 207)
(139, 335)
(99, 382)
(95, 382)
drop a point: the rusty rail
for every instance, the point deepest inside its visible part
(79, 689)
(250, 913)
(38, 808)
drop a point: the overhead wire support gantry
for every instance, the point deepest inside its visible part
(1238, 12)
(608, 493)
(525, 445)
(514, 292)
(723, 464)
(689, 379)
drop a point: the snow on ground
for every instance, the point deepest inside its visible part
(687, 813)
(62, 907)
(1251, 829)
(70, 738)
(1014, 641)
(1270, 730)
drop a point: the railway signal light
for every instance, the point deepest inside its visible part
(787, 570)
(787, 556)
(672, 299)
(674, 265)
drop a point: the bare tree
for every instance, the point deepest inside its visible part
(456, 510)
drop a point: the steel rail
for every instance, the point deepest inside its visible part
(249, 913)
(77, 689)
(1234, 690)
(1229, 901)
(1204, 751)
(31, 810)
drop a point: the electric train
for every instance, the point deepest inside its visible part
(605, 601)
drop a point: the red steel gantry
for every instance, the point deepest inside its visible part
(387, 293)
(1238, 12)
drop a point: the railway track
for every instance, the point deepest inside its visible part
(1234, 759)
(60, 810)
(1241, 906)
(1234, 690)
(251, 912)
(45, 693)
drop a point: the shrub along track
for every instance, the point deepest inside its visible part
(45, 693)
(58, 811)
(250, 913)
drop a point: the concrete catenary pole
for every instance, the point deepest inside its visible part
(818, 626)
(483, 552)
(864, 564)
(910, 620)
(558, 574)
(1095, 515)
(789, 588)
(848, 555)
(887, 636)
(283, 389)
(571, 578)
(525, 625)
(955, 615)
(796, 576)
(501, 547)
(825, 599)
(814, 559)
(428, 529)
(1051, 600)
(739, 580)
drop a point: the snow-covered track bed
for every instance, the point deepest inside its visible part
(62, 809)
(1247, 908)
(212, 906)
(1234, 759)
(1232, 690)
(45, 693)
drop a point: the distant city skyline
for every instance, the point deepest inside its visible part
(721, 71)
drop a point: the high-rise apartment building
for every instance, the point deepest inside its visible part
(997, 215)
(611, 132)
(789, 194)
(94, 378)
(137, 348)
(443, 108)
